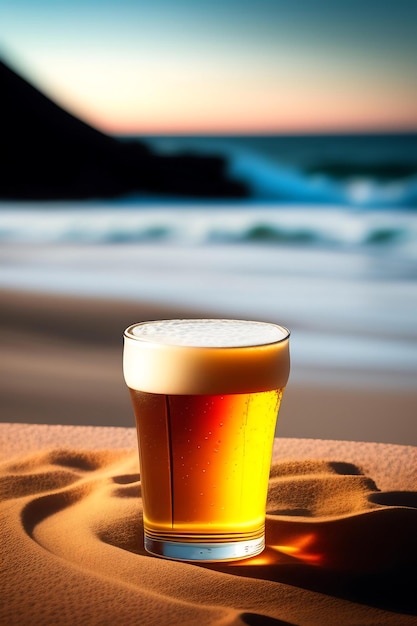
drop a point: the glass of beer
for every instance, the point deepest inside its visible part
(205, 394)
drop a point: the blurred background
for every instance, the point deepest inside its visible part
(237, 158)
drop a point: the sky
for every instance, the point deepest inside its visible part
(220, 66)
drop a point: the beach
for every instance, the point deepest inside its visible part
(61, 363)
(237, 161)
(340, 535)
(341, 510)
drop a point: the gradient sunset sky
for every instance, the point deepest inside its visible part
(220, 66)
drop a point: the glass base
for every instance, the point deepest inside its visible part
(208, 552)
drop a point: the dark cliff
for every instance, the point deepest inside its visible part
(47, 153)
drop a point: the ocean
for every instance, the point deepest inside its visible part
(326, 244)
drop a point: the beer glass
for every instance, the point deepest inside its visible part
(205, 394)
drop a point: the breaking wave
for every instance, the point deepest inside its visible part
(130, 222)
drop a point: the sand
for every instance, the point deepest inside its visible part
(341, 541)
(60, 363)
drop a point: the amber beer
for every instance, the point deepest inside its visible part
(206, 395)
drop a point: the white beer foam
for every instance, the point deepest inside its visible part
(205, 356)
(205, 333)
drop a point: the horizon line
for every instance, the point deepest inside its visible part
(271, 133)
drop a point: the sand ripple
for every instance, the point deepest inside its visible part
(338, 550)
